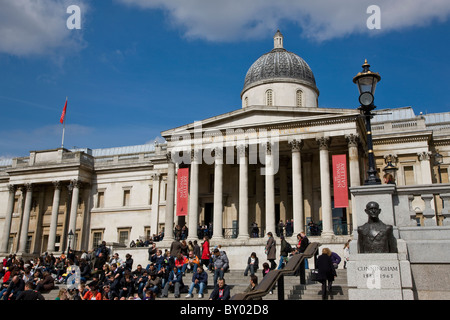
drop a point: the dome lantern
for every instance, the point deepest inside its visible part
(278, 40)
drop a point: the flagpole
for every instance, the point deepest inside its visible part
(64, 129)
(64, 125)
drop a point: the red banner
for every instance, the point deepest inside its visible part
(340, 181)
(182, 191)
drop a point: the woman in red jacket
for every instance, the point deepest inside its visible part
(92, 294)
(205, 252)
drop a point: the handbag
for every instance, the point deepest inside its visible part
(314, 275)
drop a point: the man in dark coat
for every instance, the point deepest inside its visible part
(175, 280)
(199, 280)
(16, 286)
(99, 262)
(221, 291)
(29, 294)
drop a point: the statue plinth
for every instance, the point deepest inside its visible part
(379, 276)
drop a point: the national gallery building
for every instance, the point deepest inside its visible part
(271, 160)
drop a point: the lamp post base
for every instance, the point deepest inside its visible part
(372, 181)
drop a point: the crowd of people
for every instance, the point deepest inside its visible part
(101, 275)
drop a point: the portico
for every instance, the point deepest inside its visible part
(278, 170)
(48, 196)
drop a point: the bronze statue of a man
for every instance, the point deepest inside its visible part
(375, 236)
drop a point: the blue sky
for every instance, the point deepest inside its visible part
(139, 67)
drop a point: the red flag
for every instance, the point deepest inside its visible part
(340, 181)
(63, 115)
(183, 191)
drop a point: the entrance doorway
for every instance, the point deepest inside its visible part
(209, 213)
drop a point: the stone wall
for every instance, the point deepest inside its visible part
(431, 281)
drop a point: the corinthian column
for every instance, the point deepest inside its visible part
(75, 185)
(325, 185)
(155, 204)
(297, 191)
(218, 195)
(8, 218)
(54, 217)
(25, 219)
(425, 168)
(193, 195)
(243, 192)
(168, 224)
(270, 191)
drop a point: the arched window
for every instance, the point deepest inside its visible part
(269, 97)
(299, 98)
(246, 102)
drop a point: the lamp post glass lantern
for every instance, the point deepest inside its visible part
(390, 169)
(366, 82)
(70, 235)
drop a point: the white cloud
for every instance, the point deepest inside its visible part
(36, 27)
(229, 20)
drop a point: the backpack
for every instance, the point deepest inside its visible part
(288, 247)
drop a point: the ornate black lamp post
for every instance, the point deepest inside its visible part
(367, 82)
(438, 160)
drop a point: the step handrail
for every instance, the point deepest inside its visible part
(268, 282)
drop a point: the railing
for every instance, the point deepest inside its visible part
(399, 125)
(423, 205)
(233, 233)
(295, 266)
(124, 158)
(339, 229)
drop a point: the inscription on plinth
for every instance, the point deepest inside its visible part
(376, 276)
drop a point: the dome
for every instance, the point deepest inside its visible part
(279, 65)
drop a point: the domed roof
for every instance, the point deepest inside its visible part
(279, 65)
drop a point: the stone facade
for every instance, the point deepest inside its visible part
(122, 194)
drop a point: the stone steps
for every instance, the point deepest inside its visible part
(313, 290)
(293, 290)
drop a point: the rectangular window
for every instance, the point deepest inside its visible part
(97, 237)
(57, 242)
(409, 175)
(147, 233)
(151, 195)
(126, 198)
(299, 98)
(28, 246)
(269, 97)
(124, 236)
(101, 199)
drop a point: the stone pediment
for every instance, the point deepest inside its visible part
(264, 116)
